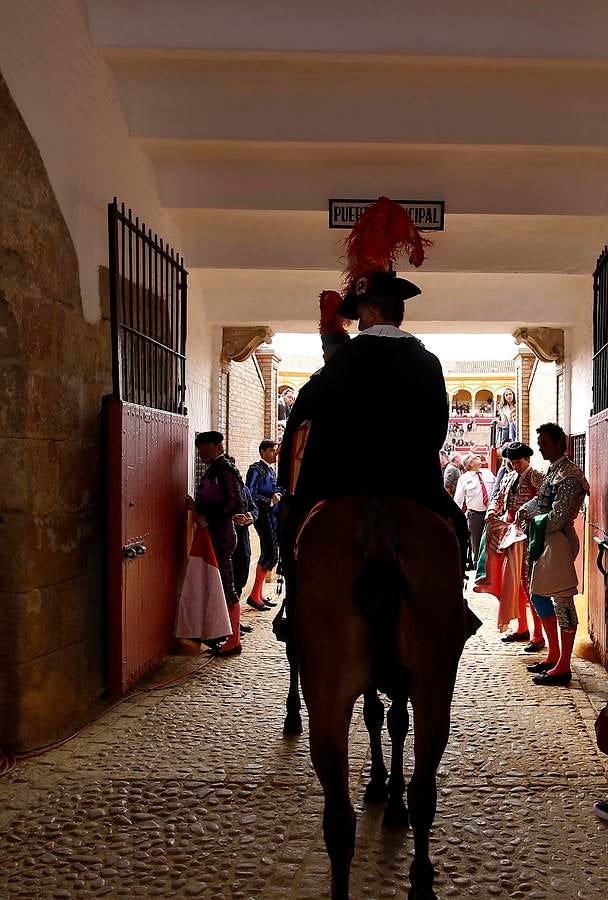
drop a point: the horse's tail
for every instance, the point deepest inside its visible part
(378, 593)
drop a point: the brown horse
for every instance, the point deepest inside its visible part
(379, 607)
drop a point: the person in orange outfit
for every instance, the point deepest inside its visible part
(505, 560)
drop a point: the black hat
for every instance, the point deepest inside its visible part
(376, 285)
(209, 437)
(517, 450)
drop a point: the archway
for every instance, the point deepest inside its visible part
(461, 402)
(484, 402)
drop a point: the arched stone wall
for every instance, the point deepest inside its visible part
(54, 369)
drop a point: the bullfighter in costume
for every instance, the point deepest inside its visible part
(554, 546)
(219, 499)
(352, 406)
(266, 494)
(502, 569)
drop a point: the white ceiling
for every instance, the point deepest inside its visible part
(254, 115)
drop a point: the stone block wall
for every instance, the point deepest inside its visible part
(54, 370)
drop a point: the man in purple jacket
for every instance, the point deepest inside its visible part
(218, 499)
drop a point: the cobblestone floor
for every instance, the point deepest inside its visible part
(192, 791)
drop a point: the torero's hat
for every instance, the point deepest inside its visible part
(517, 450)
(382, 234)
(209, 437)
(332, 326)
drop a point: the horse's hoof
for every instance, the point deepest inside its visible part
(396, 815)
(376, 792)
(292, 725)
(426, 895)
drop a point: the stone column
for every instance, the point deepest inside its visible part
(524, 362)
(269, 364)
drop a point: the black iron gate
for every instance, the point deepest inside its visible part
(148, 301)
(147, 447)
(600, 334)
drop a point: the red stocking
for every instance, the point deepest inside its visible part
(537, 634)
(550, 626)
(233, 645)
(256, 591)
(563, 663)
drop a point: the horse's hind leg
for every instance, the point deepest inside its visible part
(432, 728)
(373, 714)
(293, 720)
(395, 814)
(329, 754)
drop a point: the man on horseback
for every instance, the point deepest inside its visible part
(374, 568)
(352, 402)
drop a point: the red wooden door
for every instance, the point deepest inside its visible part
(147, 490)
(598, 528)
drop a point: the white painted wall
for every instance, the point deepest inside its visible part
(579, 349)
(67, 95)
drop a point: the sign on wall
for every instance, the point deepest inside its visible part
(428, 215)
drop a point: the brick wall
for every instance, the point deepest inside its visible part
(546, 399)
(244, 404)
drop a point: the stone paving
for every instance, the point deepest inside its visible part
(191, 791)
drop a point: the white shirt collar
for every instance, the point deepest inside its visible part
(386, 331)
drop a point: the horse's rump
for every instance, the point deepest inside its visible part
(399, 563)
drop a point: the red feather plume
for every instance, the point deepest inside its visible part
(382, 234)
(330, 322)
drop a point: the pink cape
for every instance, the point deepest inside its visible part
(202, 611)
(504, 573)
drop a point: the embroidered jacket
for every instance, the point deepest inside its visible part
(514, 491)
(561, 495)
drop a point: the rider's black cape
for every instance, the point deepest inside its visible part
(379, 419)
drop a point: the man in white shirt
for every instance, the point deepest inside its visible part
(473, 490)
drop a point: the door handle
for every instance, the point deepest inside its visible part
(602, 547)
(132, 551)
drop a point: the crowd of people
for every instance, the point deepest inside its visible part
(523, 543)
(226, 508)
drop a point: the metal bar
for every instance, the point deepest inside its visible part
(131, 392)
(183, 333)
(113, 276)
(143, 347)
(162, 301)
(121, 275)
(150, 300)
(172, 374)
(147, 239)
(166, 338)
(156, 305)
(149, 340)
(138, 326)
